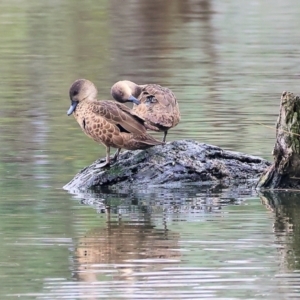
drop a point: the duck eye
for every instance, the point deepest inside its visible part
(75, 93)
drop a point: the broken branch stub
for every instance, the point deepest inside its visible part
(285, 171)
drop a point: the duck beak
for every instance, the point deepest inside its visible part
(134, 100)
(72, 107)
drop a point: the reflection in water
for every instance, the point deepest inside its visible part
(131, 246)
(138, 239)
(164, 42)
(120, 250)
(184, 198)
(286, 207)
(155, 244)
(165, 246)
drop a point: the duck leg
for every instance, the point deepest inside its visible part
(116, 155)
(107, 161)
(165, 136)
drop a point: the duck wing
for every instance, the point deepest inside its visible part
(119, 115)
(162, 94)
(158, 107)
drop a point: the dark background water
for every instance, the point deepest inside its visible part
(228, 63)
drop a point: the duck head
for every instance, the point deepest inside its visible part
(126, 91)
(80, 90)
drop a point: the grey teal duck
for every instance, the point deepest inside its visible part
(107, 122)
(158, 105)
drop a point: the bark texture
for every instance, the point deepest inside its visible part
(174, 163)
(285, 171)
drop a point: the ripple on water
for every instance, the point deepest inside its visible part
(224, 253)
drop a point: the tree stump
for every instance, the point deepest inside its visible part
(285, 171)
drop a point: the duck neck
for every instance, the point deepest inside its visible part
(135, 89)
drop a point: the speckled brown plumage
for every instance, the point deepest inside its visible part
(158, 105)
(107, 122)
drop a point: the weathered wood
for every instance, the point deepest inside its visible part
(285, 171)
(174, 163)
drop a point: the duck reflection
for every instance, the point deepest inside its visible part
(130, 245)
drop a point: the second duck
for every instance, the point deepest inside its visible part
(158, 105)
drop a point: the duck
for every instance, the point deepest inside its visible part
(107, 121)
(158, 105)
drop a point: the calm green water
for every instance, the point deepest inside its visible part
(228, 63)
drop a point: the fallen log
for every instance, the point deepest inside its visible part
(174, 163)
(284, 173)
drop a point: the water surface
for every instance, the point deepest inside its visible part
(228, 63)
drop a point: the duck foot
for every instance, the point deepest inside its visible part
(103, 165)
(106, 164)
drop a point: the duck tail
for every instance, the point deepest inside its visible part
(150, 140)
(146, 141)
